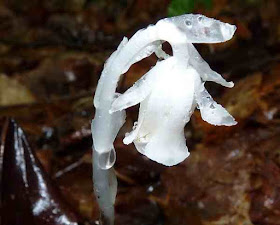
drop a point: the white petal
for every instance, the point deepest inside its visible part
(130, 137)
(204, 70)
(167, 146)
(142, 88)
(159, 133)
(200, 29)
(137, 93)
(211, 111)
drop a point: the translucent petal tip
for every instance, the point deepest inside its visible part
(228, 31)
(228, 121)
(230, 84)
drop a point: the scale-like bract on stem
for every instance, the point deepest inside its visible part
(168, 94)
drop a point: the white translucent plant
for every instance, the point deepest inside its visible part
(168, 95)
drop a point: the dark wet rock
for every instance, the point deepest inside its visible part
(28, 196)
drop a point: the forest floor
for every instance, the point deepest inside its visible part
(51, 57)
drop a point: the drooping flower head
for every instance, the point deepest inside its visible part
(168, 95)
(170, 91)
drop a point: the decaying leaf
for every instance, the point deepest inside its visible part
(13, 93)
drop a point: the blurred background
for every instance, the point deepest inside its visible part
(51, 56)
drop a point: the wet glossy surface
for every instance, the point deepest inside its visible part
(28, 196)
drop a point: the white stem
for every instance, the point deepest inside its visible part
(105, 126)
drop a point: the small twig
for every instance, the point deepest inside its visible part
(125, 178)
(68, 168)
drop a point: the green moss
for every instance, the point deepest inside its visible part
(179, 7)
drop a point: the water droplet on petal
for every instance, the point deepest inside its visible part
(107, 159)
(200, 18)
(135, 125)
(188, 23)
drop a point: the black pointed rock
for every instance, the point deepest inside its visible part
(28, 195)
